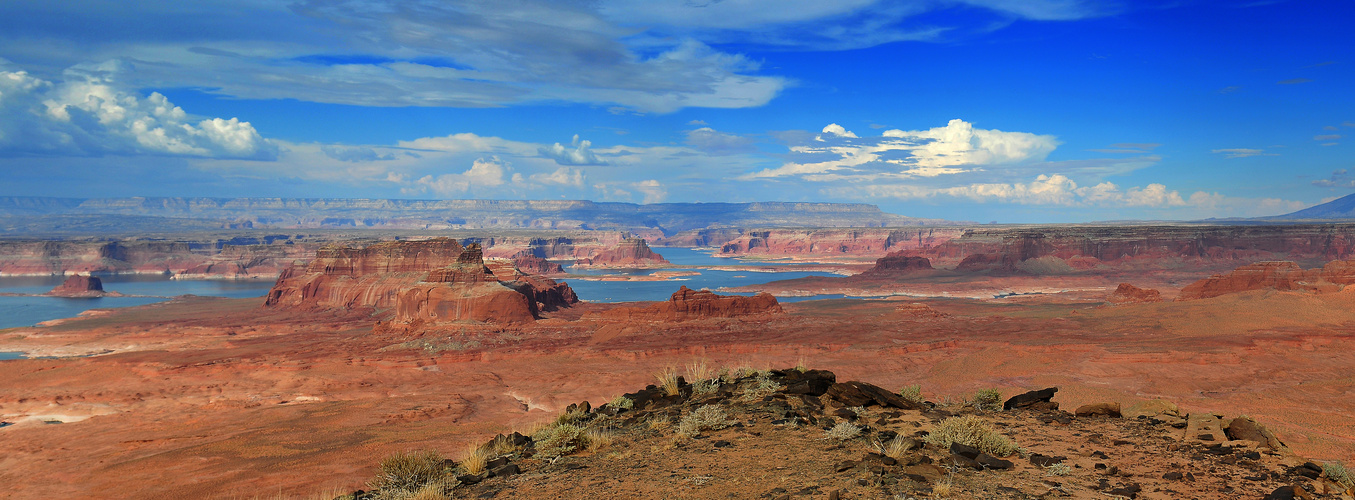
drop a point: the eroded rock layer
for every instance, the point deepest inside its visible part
(686, 304)
(629, 253)
(1275, 276)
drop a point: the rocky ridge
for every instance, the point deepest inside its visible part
(1273, 275)
(799, 433)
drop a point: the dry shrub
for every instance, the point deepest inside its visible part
(1337, 472)
(707, 417)
(622, 403)
(912, 393)
(987, 400)
(408, 471)
(597, 439)
(558, 440)
(972, 431)
(844, 431)
(896, 447)
(760, 387)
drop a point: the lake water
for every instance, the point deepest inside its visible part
(27, 311)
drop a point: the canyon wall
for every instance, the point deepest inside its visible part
(820, 242)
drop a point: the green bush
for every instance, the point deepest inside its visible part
(987, 400)
(912, 393)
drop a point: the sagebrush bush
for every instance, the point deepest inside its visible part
(1059, 469)
(1337, 472)
(987, 400)
(408, 471)
(760, 387)
(622, 402)
(844, 431)
(558, 440)
(708, 417)
(972, 431)
(912, 393)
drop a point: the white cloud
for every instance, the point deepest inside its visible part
(482, 173)
(579, 155)
(89, 113)
(652, 190)
(563, 176)
(715, 142)
(1242, 152)
(355, 154)
(955, 148)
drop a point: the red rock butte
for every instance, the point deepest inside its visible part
(630, 252)
(79, 286)
(426, 283)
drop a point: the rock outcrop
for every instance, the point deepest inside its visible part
(1130, 294)
(1275, 276)
(236, 257)
(424, 282)
(835, 241)
(897, 264)
(528, 262)
(633, 252)
(686, 304)
(79, 286)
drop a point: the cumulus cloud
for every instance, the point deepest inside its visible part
(563, 176)
(482, 173)
(652, 190)
(90, 113)
(578, 155)
(715, 142)
(958, 147)
(1055, 189)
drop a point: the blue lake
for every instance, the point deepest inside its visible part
(27, 311)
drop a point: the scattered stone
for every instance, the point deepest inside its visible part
(506, 470)
(1039, 460)
(991, 462)
(722, 444)
(966, 451)
(1111, 410)
(1288, 493)
(1246, 429)
(809, 382)
(1173, 476)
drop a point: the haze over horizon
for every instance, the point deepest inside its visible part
(1010, 111)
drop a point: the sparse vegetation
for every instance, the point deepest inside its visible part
(912, 393)
(558, 440)
(895, 448)
(435, 346)
(708, 417)
(987, 400)
(570, 417)
(800, 365)
(597, 439)
(622, 403)
(972, 431)
(1059, 469)
(473, 462)
(760, 387)
(668, 381)
(703, 378)
(1337, 472)
(408, 471)
(844, 431)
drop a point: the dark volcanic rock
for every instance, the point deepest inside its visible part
(1031, 398)
(811, 382)
(862, 394)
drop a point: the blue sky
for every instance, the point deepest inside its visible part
(1011, 111)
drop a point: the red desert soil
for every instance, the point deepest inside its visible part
(220, 398)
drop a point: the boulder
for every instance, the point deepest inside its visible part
(1032, 399)
(810, 382)
(855, 393)
(1245, 429)
(1130, 294)
(1111, 410)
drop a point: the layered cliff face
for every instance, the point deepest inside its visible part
(868, 242)
(1147, 247)
(688, 304)
(197, 259)
(897, 264)
(1275, 276)
(424, 282)
(632, 252)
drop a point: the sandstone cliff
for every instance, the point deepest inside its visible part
(686, 304)
(630, 253)
(80, 286)
(868, 242)
(1275, 276)
(897, 264)
(424, 282)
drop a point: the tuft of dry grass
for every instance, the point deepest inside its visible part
(668, 381)
(408, 471)
(801, 365)
(597, 439)
(474, 460)
(896, 447)
(699, 370)
(972, 431)
(1337, 472)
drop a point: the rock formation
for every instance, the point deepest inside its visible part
(528, 262)
(1130, 294)
(633, 252)
(424, 282)
(1275, 276)
(79, 286)
(897, 264)
(688, 304)
(833, 241)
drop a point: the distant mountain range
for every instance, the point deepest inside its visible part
(19, 215)
(1340, 208)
